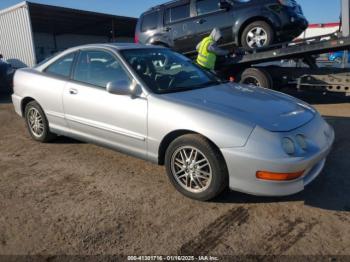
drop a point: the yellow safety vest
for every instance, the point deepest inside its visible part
(205, 58)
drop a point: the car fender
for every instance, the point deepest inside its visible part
(30, 83)
(20, 85)
(165, 117)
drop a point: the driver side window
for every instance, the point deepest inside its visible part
(98, 68)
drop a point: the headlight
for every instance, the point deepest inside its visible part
(288, 3)
(288, 145)
(301, 140)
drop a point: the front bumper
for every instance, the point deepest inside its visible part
(292, 30)
(292, 26)
(263, 153)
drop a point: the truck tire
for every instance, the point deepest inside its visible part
(257, 34)
(257, 77)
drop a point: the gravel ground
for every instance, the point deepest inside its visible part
(75, 198)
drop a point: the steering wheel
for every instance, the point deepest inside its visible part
(172, 81)
(182, 77)
(167, 63)
(139, 65)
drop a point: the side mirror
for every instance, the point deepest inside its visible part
(122, 87)
(224, 5)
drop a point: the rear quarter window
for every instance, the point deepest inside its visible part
(62, 67)
(149, 21)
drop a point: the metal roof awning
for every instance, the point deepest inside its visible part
(60, 20)
(30, 32)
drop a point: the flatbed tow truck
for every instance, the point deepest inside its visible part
(250, 66)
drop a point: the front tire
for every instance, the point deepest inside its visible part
(256, 35)
(196, 167)
(37, 123)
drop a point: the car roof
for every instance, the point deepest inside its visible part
(116, 46)
(166, 4)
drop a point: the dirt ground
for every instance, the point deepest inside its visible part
(75, 198)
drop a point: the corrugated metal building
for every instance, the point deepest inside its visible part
(30, 32)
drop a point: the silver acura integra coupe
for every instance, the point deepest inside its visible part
(155, 104)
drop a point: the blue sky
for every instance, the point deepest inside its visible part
(317, 11)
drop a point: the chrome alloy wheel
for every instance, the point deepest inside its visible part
(256, 37)
(35, 121)
(191, 169)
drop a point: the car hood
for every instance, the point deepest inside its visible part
(269, 109)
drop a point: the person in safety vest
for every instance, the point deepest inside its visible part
(208, 50)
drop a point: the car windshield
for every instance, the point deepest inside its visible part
(164, 71)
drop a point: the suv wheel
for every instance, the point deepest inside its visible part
(37, 123)
(257, 34)
(196, 168)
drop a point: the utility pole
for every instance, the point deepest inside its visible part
(345, 22)
(345, 17)
(113, 31)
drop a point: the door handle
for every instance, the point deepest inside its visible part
(73, 91)
(201, 21)
(167, 29)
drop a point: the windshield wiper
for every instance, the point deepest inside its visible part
(206, 84)
(188, 88)
(209, 83)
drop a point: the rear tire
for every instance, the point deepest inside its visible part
(37, 123)
(196, 167)
(257, 34)
(257, 77)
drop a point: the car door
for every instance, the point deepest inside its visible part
(116, 121)
(209, 15)
(179, 23)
